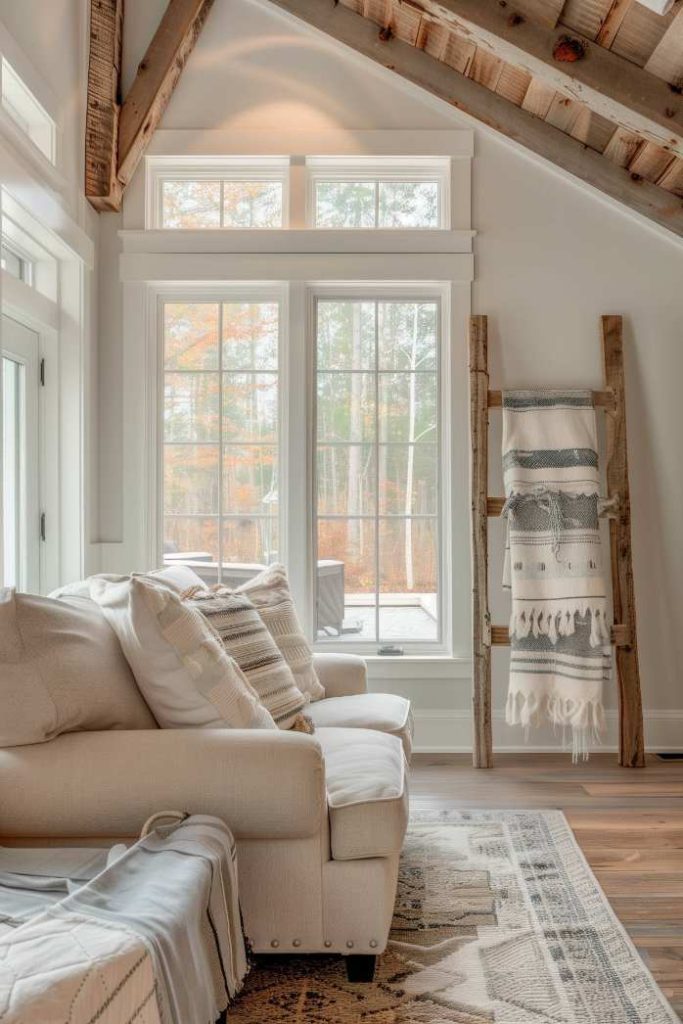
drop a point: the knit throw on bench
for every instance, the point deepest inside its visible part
(559, 634)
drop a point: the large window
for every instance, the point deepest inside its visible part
(312, 398)
(360, 419)
(220, 434)
(377, 468)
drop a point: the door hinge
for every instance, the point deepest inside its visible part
(42, 373)
(42, 526)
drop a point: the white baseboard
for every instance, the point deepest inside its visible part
(449, 730)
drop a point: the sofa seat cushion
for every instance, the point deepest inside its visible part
(367, 792)
(385, 712)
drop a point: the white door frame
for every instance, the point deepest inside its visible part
(23, 349)
(42, 443)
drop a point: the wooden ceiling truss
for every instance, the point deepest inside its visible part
(116, 133)
(594, 86)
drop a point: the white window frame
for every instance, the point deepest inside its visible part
(161, 169)
(27, 112)
(297, 545)
(376, 170)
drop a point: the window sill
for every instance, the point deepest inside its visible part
(410, 666)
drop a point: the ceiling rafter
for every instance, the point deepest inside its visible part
(610, 86)
(491, 108)
(117, 134)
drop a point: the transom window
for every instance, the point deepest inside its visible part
(218, 193)
(225, 203)
(391, 193)
(27, 112)
(377, 469)
(220, 435)
(331, 192)
(15, 262)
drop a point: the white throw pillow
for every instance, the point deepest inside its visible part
(269, 593)
(180, 665)
(62, 670)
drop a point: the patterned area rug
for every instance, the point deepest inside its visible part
(498, 920)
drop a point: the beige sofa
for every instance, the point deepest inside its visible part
(319, 819)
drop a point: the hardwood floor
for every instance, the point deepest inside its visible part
(629, 823)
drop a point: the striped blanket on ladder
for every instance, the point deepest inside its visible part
(559, 633)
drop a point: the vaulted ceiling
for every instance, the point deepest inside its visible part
(595, 86)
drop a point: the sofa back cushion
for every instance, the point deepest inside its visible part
(269, 593)
(62, 670)
(179, 662)
(248, 641)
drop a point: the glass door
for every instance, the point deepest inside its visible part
(21, 525)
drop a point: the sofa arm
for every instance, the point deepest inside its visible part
(341, 674)
(263, 784)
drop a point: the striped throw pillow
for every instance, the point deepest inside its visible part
(247, 640)
(269, 593)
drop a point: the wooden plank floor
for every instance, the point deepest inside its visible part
(629, 823)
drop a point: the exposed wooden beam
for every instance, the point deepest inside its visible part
(488, 107)
(157, 75)
(611, 86)
(612, 21)
(666, 60)
(102, 187)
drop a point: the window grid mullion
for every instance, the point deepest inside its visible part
(219, 575)
(376, 447)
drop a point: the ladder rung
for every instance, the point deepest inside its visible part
(601, 399)
(500, 636)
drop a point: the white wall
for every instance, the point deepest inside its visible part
(550, 257)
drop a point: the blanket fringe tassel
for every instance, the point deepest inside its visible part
(585, 718)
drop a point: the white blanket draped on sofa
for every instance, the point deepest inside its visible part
(155, 936)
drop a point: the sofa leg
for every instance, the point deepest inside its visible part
(360, 968)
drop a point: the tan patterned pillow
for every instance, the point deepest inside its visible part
(247, 640)
(269, 593)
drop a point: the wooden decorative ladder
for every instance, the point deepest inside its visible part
(485, 636)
